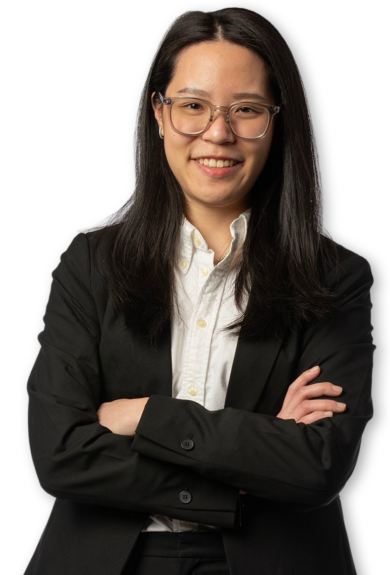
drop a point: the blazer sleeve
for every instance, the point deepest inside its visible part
(77, 458)
(300, 466)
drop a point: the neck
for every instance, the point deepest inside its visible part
(214, 225)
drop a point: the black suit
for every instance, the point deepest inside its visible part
(107, 485)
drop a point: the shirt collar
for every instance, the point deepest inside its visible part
(191, 239)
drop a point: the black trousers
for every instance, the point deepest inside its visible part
(184, 553)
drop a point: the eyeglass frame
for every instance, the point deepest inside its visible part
(271, 109)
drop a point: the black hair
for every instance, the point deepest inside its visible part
(286, 254)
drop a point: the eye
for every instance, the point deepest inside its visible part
(246, 110)
(193, 106)
(190, 107)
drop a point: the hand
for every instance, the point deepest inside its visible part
(297, 406)
(122, 415)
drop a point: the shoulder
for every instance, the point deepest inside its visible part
(351, 269)
(84, 264)
(346, 254)
(95, 243)
(78, 251)
(88, 250)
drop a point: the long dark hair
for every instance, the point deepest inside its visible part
(286, 253)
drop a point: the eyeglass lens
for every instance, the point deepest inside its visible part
(191, 117)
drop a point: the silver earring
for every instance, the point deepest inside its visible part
(159, 131)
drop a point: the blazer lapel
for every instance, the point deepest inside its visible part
(251, 368)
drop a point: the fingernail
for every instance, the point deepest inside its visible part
(340, 404)
(314, 368)
(337, 387)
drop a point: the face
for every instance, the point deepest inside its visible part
(220, 69)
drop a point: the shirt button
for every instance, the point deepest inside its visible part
(201, 323)
(183, 264)
(193, 390)
(204, 271)
(197, 240)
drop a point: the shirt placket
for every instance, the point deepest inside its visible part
(201, 328)
(200, 332)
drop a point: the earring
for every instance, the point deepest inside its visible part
(159, 131)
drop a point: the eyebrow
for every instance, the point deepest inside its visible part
(236, 96)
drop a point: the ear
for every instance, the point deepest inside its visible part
(157, 110)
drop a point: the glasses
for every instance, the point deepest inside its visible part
(192, 116)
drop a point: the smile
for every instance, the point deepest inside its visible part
(213, 163)
(217, 169)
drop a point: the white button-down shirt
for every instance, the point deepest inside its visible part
(202, 355)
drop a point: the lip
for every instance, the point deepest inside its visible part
(218, 172)
(217, 157)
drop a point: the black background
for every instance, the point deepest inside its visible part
(83, 76)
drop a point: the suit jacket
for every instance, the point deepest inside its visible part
(185, 461)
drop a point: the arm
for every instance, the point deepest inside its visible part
(77, 458)
(297, 465)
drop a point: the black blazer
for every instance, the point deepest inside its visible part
(106, 485)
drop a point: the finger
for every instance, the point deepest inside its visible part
(312, 390)
(315, 416)
(321, 388)
(302, 380)
(310, 405)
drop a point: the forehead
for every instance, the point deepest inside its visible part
(212, 66)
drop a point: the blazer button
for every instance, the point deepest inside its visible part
(185, 496)
(187, 444)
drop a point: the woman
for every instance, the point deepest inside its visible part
(214, 285)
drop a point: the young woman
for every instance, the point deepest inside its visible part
(204, 377)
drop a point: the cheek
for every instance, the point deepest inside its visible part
(178, 158)
(259, 158)
(263, 157)
(177, 151)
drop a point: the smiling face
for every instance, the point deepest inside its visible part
(220, 70)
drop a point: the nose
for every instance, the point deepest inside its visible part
(219, 130)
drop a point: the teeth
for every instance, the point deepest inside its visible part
(213, 163)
